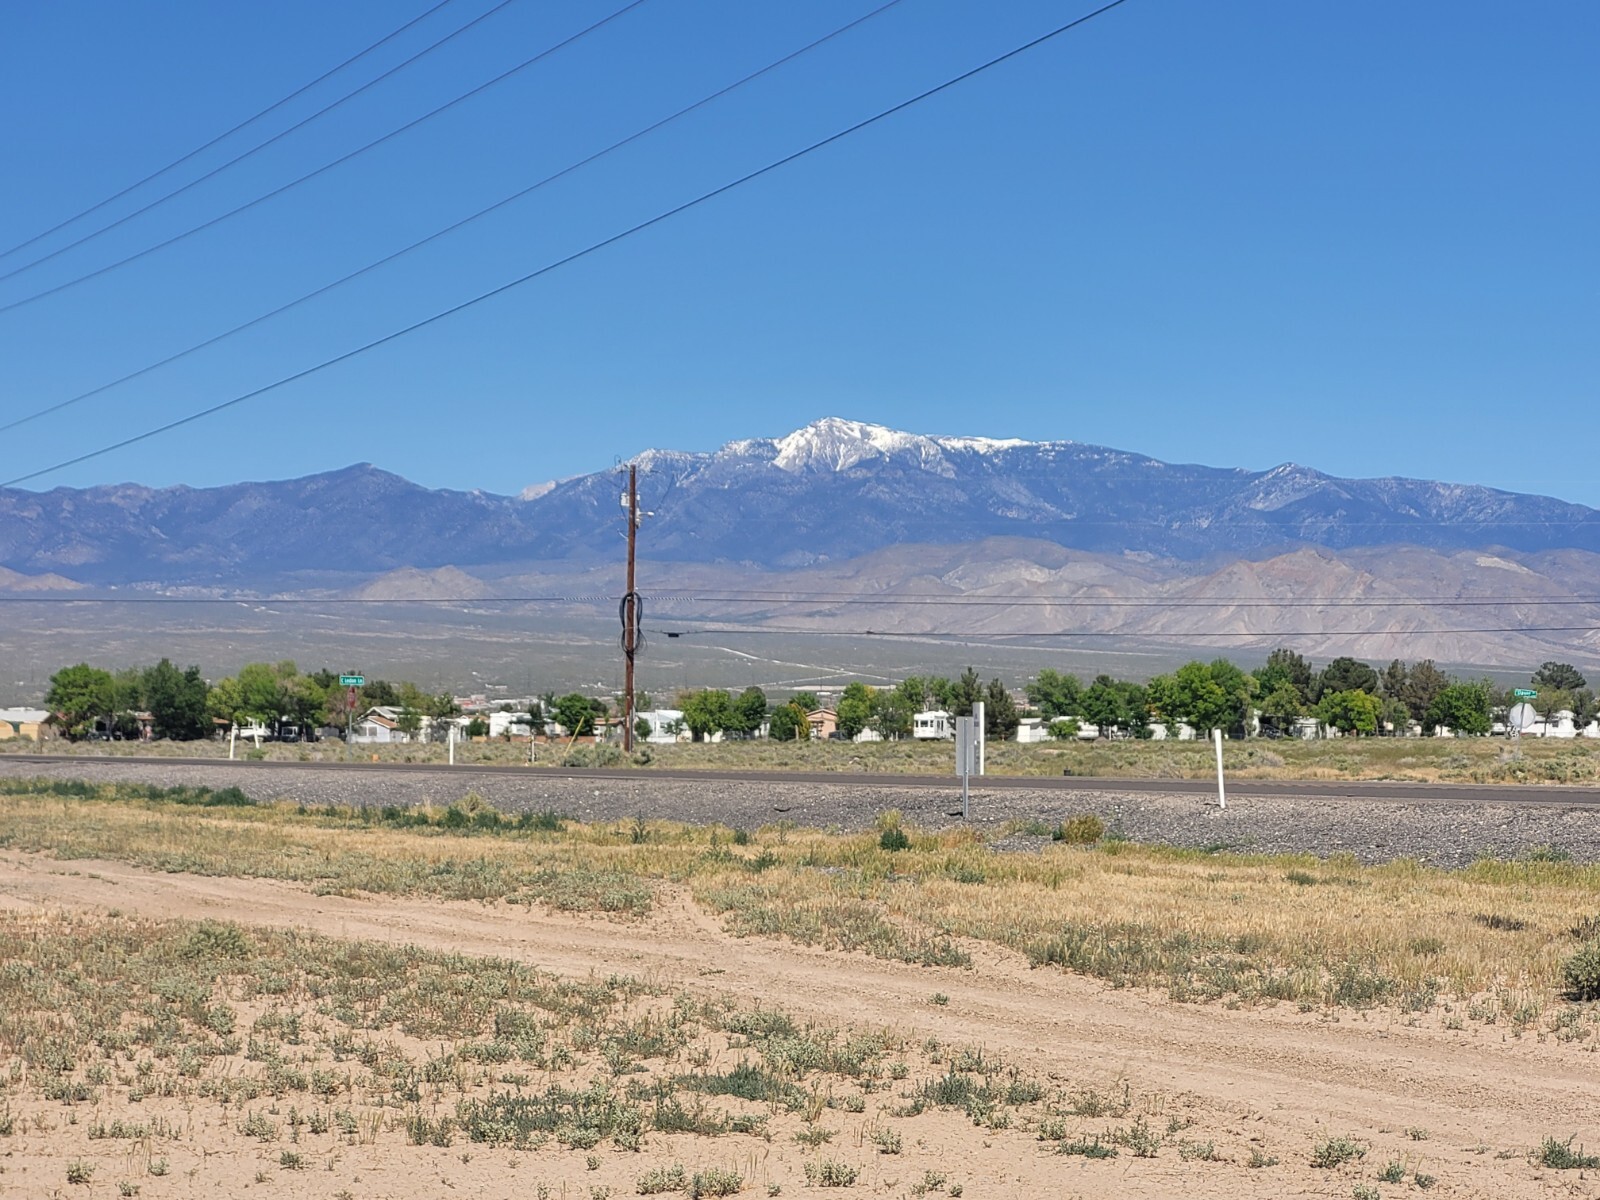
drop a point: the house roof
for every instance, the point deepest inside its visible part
(24, 716)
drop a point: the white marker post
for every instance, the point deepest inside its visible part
(980, 726)
(1222, 795)
(450, 737)
(233, 732)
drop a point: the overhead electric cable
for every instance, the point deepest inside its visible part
(688, 598)
(328, 166)
(482, 212)
(592, 248)
(1143, 635)
(234, 161)
(227, 133)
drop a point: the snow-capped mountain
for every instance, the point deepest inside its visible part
(832, 491)
(837, 489)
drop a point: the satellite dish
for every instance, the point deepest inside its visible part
(1522, 717)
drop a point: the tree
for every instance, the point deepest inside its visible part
(1561, 677)
(575, 714)
(1063, 729)
(1284, 666)
(1424, 682)
(641, 729)
(1346, 674)
(79, 696)
(855, 709)
(706, 712)
(749, 712)
(943, 692)
(1055, 694)
(892, 714)
(1102, 704)
(1283, 706)
(806, 700)
(913, 690)
(1352, 711)
(259, 698)
(1584, 707)
(408, 721)
(1197, 699)
(1392, 682)
(379, 693)
(788, 723)
(1000, 715)
(477, 728)
(177, 701)
(966, 692)
(1461, 707)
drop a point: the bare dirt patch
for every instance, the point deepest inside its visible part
(1216, 1089)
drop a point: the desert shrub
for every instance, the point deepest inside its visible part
(1582, 972)
(1085, 829)
(601, 754)
(894, 839)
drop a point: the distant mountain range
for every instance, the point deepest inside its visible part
(832, 491)
(859, 508)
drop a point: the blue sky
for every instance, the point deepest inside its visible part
(1357, 235)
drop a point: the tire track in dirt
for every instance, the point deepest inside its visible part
(1276, 1074)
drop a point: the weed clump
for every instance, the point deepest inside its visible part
(1560, 1156)
(1085, 829)
(715, 1181)
(1336, 1151)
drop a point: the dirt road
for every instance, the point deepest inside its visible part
(1272, 1079)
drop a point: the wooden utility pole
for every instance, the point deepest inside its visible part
(630, 613)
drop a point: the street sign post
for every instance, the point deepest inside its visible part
(968, 749)
(1524, 693)
(352, 682)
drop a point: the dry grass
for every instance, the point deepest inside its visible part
(132, 1049)
(1465, 760)
(1204, 926)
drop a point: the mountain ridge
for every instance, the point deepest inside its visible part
(832, 491)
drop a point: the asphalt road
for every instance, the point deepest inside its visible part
(1324, 789)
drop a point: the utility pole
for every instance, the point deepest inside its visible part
(630, 611)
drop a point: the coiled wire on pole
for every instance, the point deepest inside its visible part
(632, 647)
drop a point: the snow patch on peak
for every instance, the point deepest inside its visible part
(835, 444)
(982, 445)
(534, 490)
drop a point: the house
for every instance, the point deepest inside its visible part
(26, 723)
(666, 725)
(868, 735)
(933, 725)
(514, 724)
(1032, 730)
(380, 725)
(1161, 732)
(824, 723)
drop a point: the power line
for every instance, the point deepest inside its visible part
(670, 597)
(215, 171)
(1144, 635)
(592, 248)
(482, 212)
(1103, 602)
(223, 136)
(310, 175)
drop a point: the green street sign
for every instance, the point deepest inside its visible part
(1524, 693)
(360, 681)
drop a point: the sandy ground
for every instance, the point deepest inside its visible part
(1272, 1079)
